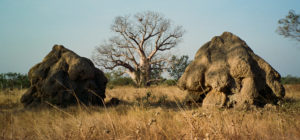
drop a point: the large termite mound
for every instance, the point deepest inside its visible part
(64, 78)
(227, 73)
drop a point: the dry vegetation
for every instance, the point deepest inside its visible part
(149, 113)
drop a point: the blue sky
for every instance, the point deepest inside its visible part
(29, 28)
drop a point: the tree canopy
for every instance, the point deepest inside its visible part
(139, 45)
(178, 66)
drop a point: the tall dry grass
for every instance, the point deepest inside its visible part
(149, 113)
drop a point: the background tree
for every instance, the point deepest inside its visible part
(138, 45)
(13, 80)
(2, 81)
(289, 79)
(178, 66)
(289, 26)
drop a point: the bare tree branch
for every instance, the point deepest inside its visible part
(137, 43)
(290, 26)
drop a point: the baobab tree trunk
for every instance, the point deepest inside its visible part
(144, 75)
(141, 75)
(144, 71)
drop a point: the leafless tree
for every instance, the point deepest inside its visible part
(138, 45)
(290, 26)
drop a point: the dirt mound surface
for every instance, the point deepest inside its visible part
(227, 73)
(63, 78)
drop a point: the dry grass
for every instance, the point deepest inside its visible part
(149, 113)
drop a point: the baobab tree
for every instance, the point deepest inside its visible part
(139, 45)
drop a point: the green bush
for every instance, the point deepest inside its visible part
(13, 80)
(169, 82)
(121, 81)
(115, 78)
(290, 80)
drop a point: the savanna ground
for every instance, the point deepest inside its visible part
(149, 113)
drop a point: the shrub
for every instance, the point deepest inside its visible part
(13, 80)
(290, 80)
(115, 78)
(121, 81)
(170, 82)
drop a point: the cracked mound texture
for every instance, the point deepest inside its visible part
(227, 73)
(63, 78)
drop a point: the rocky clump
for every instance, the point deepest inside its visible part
(227, 73)
(63, 78)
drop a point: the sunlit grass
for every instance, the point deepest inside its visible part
(149, 113)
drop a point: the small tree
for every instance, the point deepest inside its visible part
(14, 80)
(138, 45)
(2, 81)
(289, 26)
(178, 66)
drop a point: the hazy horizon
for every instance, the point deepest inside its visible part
(29, 29)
